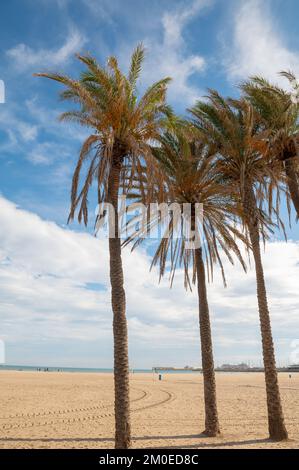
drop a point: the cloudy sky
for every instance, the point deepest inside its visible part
(54, 291)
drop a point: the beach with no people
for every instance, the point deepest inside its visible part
(75, 410)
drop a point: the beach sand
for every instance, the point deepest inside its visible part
(75, 410)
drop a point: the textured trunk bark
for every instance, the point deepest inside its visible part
(120, 333)
(211, 416)
(293, 182)
(277, 429)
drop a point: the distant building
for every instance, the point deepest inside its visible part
(240, 367)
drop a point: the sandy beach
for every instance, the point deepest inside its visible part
(75, 410)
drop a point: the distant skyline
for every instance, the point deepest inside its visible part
(54, 290)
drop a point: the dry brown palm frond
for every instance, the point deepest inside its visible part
(187, 173)
(122, 124)
(279, 115)
(244, 157)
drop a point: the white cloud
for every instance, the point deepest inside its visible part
(47, 279)
(18, 131)
(25, 57)
(47, 153)
(169, 56)
(47, 120)
(60, 3)
(258, 45)
(22, 135)
(103, 10)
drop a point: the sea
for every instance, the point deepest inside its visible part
(90, 369)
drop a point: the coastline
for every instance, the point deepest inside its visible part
(154, 370)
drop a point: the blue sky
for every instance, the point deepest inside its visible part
(54, 290)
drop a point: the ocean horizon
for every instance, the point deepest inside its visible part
(86, 369)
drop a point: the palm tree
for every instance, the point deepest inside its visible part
(123, 126)
(232, 126)
(187, 177)
(279, 112)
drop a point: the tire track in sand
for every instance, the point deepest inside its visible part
(56, 415)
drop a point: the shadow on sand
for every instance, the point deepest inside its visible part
(197, 445)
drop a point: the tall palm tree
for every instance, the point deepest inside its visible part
(232, 126)
(123, 125)
(187, 177)
(279, 112)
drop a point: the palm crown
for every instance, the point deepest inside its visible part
(278, 112)
(123, 125)
(243, 160)
(190, 176)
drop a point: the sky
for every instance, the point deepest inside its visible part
(54, 289)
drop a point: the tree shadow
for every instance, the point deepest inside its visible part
(57, 439)
(217, 445)
(196, 445)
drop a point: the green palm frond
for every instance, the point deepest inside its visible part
(121, 123)
(187, 174)
(136, 65)
(236, 130)
(275, 107)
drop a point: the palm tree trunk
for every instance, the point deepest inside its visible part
(292, 181)
(211, 416)
(120, 333)
(277, 429)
